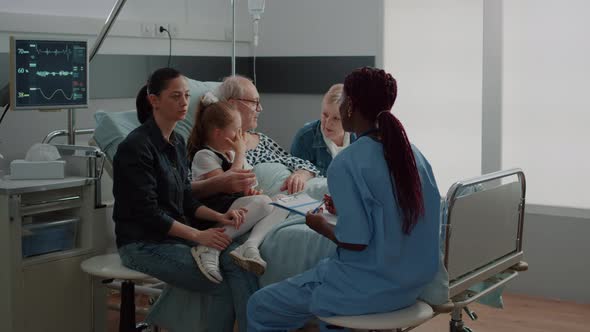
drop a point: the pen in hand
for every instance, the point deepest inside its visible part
(317, 209)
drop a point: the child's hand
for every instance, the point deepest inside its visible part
(252, 192)
(329, 204)
(238, 143)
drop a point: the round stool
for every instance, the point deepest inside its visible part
(396, 320)
(109, 267)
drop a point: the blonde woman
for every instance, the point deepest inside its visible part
(321, 140)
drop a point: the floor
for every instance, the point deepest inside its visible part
(522, 314)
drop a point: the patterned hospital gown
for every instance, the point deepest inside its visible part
(268, 151)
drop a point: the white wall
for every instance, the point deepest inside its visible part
(545, 104)
(544, 131)
(434, 50)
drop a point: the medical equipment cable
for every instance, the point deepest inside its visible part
(256, 8)
(162, 29)
(3, 114)
(254, 65)
(254, 47)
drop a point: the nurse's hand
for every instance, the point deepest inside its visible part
(329, 204)
(316, 221)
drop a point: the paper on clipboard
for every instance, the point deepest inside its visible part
(301, 203)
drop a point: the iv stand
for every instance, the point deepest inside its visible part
(233, 35)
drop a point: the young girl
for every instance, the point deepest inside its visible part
(216, 145)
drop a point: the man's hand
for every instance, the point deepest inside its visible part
(236, 180)
(296, 182)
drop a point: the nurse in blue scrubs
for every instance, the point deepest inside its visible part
(387, 204)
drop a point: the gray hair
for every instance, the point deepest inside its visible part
(231, 87)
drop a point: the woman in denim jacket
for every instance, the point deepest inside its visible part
(321, 140)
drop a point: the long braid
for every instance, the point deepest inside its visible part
(402, 165)
(373, 93)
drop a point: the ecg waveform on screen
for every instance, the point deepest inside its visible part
(67, 51)
(53, 94)
(53, 73)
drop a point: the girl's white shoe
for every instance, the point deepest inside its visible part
(208, 262)
(248, 258)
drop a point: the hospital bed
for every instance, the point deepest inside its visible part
(481, 234)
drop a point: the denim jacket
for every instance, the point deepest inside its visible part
(309, 144)
(150, 185)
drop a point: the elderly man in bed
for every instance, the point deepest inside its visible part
(242, 93)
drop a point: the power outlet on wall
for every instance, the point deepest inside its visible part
(161, 34)
(147, 29)
(153, 30)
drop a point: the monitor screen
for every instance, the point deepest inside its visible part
(48, 74)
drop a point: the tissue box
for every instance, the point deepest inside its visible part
(33, 170)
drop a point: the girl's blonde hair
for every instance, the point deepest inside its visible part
(334, 94)
(210, 114)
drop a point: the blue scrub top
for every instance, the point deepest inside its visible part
(394, 268)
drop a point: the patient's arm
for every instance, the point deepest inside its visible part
(232, 181)
(319, 224)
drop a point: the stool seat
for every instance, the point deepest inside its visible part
(110, 267)
(403, 318)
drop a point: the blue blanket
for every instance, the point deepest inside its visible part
(289, 249)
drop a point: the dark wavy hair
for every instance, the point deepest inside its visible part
(157, 82)
(373, 92)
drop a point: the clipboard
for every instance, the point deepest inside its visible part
(301, 203)
(298, 203)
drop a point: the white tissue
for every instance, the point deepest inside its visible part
(42, 152)
(317, 187)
